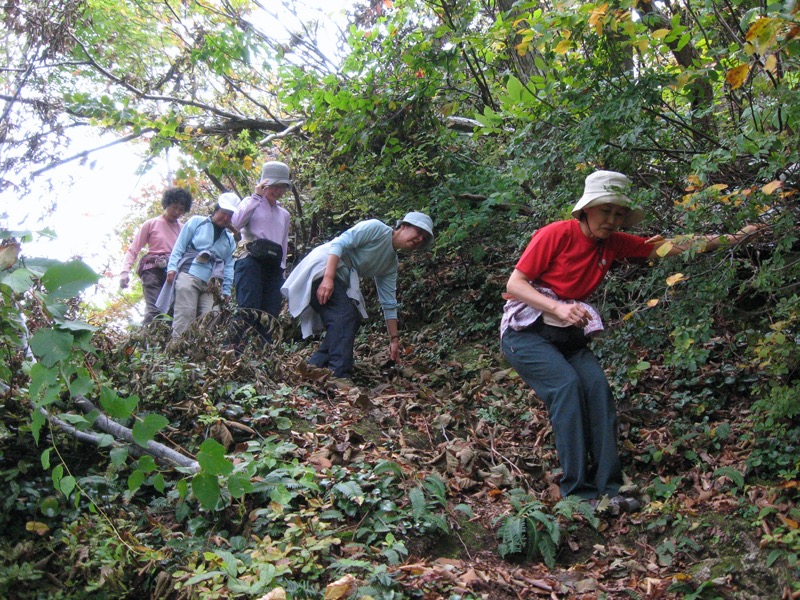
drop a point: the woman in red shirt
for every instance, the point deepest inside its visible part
(547, 326)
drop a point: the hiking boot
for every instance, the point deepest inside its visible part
(615, 506)
(626, 504)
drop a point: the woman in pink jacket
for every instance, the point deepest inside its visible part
(158, 235)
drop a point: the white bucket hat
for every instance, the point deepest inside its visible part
(275, 173)
(422, 221)
(228, 201)
(608, 187)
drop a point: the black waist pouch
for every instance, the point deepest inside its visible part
(266, 252)
(564, 338)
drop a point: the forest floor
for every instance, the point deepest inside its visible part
(460, 413)
(474, 422)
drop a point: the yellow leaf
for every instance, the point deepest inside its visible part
(37, 527)
(9, 255)
(596, 19)
(682, 79)
(628, 316)
(771, 64)
(719, 186)
(642, 44)
(677, 278)
(771, 187)
(563, 47)
(652, 303)
(341, 588)
(763, 34)
(737, 76)
(660, 34)
(248, 162)
(664, 249)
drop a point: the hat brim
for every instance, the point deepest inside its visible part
(277, 182)
(633, 218)
(428, 234)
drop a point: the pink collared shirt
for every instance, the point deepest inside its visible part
(157, 234)
(256, 219)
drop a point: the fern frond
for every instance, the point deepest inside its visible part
(417, 498)
(512, 536)
(350, 490)
(388, 466)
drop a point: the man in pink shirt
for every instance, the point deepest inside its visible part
(158, 235)
(264, 224)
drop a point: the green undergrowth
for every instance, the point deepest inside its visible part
(301, 481)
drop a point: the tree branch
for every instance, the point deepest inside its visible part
(86, 153)
(155, 449)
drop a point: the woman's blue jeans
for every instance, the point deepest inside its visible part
(582, 411)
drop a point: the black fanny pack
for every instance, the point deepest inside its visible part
(564, 338)
(266, 252)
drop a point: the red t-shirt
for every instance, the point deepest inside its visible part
(561, 257)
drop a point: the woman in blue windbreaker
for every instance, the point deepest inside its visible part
(201, 259)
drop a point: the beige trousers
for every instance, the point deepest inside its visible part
(192, 300)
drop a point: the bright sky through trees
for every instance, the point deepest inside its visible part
(90, 198)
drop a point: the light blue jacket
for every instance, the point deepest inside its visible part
(198, 235)
(363, 250)
(367, 249)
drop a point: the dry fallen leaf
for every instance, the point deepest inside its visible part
(341, 588)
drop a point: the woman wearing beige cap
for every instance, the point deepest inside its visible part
(547, 325)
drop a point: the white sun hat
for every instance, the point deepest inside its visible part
(228, 201)
(608, 187)
(423, 222)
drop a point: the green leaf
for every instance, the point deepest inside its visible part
(67, 280)
(280, 495)
(417, 499)
(45, 458)
(731, 473)
(205, 487)
(20, 280)
(37, 421)
(514, 87)
(44, 387)
(135, 480)
(212, 458)
(118, 408)
(56, 475)
(183, 488)
(51, 346)
(118, 456)
(82, 384)
(146, 464)
(145, 430)
(67, 484)
(239, 484)
(74, 325)
(158, 482)
(50, 507)
(283, 423)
